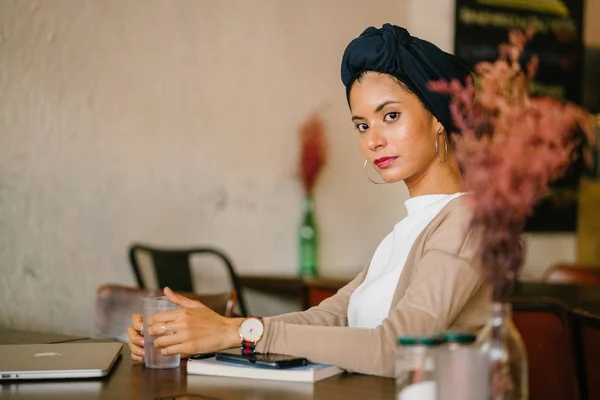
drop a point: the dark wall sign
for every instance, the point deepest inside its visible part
(483, 26)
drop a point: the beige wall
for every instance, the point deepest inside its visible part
(174, 122)
(171, 122)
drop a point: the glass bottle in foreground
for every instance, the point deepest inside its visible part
(505, 351)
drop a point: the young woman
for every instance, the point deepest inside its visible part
(421, 279)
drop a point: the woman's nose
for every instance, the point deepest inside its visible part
(376, 139)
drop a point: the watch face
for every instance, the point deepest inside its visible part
(252, 329)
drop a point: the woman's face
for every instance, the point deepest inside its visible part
(397, 134)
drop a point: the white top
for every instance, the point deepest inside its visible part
(370, 303)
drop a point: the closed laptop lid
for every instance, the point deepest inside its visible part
(55, 361)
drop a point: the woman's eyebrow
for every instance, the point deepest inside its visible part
(385, 103)
(378, 108)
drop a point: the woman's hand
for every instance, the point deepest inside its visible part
(191, 329)
(136, 340)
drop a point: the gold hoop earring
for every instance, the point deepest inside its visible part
(369, 178)
(437, 152)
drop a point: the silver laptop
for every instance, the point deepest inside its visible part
(57, 361)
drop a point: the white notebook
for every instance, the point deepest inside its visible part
(308, 373)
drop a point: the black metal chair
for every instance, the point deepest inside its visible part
(172, 269)
(587, 350)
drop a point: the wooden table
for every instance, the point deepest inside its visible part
(575, 297)
(131, 380)
(311, 292)
(308, 291)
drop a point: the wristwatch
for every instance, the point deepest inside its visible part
(251, 331)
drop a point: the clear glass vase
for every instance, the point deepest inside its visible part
(505, 351)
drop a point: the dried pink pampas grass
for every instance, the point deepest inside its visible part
(509, 148)
(313, 152)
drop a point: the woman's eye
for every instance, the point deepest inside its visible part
(391, 116)
(362, 127)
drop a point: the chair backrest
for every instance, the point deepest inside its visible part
(115, 304)
(172, 268)
(587, 348)
(545, 327)
(573, 274)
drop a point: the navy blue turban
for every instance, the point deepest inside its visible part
(392, 50)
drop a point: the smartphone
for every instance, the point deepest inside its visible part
(201, 356)
(186, 397)
(275, 361)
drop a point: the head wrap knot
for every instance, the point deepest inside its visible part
(392, 50)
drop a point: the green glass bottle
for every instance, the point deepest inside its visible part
(308, 240)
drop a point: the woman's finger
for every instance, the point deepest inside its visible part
(137, 358)
(137, 322)
(158, 328)
(165, 316)
(136, 350)
(170, 340)
(185, 349)
(169, 328)
(180, 300)
(134, 336)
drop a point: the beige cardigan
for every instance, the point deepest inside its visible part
(439, 288)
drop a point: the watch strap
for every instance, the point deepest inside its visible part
(248, 348)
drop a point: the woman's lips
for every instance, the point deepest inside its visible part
(384, 162)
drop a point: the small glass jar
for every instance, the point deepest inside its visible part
(455, 340)
(460, 369)
(415, 365)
